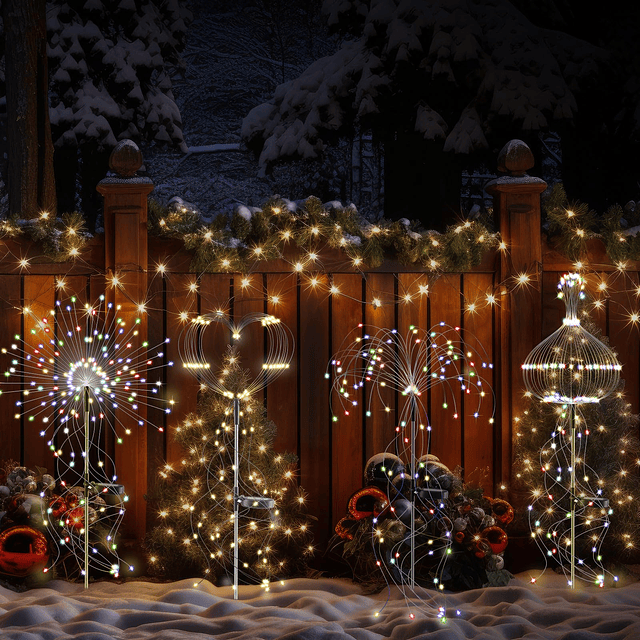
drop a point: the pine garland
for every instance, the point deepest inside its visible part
(264, 233)
(571, 224)
(62, 238)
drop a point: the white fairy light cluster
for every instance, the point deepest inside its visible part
(550, 511)
(571, 365)
(250, 497)
(79, 365)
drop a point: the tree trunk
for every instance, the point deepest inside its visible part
(31, 183)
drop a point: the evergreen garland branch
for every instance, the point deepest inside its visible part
(62, 238)
(264, 233)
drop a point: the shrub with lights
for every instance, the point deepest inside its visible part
(607, 465)
(194, 498)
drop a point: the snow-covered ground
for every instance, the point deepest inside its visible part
(306, 609)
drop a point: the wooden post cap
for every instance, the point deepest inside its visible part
(125, 159)
(515, 158)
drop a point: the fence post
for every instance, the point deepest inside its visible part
(516, 198)
(125, 241)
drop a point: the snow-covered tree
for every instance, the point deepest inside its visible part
(109, 79)
(435, 81)
(109, 70)
(110, 64)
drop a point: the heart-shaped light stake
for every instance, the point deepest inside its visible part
(277, 360)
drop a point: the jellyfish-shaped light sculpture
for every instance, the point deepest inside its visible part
(571, 367)
(80, 371)
(278, 357)
(411, 364)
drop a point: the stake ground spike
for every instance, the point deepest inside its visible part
(86, 485)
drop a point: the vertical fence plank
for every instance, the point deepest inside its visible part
(413, 304)
(379, 313)
(552, 307)
(315, 431)
(10, 321)
(347, 451)
(215, 295)
(39, 298)
(282, 394)
(413, 310)
(247, 299)
(181, 386)
(624, 339)
(444, 301)
(156, 418)
(69, 288)
(478, 434)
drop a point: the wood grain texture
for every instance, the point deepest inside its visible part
(282, 393)
(315, 429)
(39, 298)
(445, 306)
(478, 433)
(10, 325)
(347, 450)
(380, 427)
(181, 386)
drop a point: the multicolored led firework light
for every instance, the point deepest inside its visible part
(571, 368)
(411, 365)
(79, 372)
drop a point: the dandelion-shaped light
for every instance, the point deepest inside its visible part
(411, 364)
(570, 368)
(277, 359)
(81, 372)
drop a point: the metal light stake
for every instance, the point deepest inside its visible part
(279, 355)
(86, 481)
(571, 367)
(411, 365)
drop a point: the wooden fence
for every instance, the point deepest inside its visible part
(497, 311)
